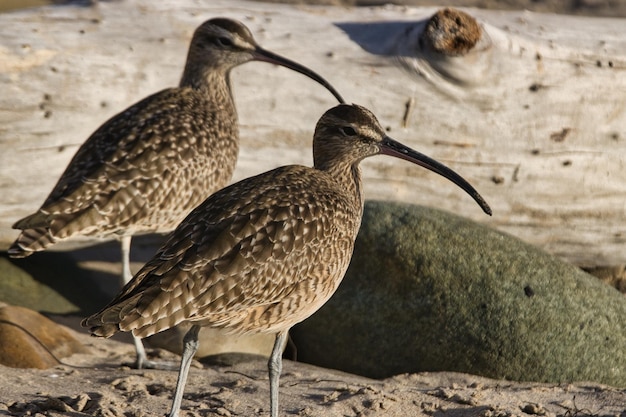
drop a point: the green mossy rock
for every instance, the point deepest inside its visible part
(431, 291)
(49, 283)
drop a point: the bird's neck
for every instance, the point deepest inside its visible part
(349, 179)
(210, 82)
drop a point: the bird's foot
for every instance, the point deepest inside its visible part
(142, 362)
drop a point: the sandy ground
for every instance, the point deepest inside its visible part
(97, 384)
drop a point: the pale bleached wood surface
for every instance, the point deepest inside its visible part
(535, 120)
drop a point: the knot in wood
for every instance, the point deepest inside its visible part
(451, 32)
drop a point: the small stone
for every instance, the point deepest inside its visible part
(535, 409)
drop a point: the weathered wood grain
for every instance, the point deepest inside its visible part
(535, 120)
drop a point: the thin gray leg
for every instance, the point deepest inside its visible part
(126, 274)
(190, 346)
(275, 366)
(142, 359)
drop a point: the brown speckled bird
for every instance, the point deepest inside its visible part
(264, 253)
(147, 167)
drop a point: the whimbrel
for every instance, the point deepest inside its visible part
(146, 168)
(264, 253)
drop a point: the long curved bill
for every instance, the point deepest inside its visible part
(394, 148)
(261, 54)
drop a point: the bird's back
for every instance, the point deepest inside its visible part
(142, 171)
(260, 255)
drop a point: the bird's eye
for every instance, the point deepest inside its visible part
(222, 41)
(347, 131)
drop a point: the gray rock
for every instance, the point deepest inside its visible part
(431, 291)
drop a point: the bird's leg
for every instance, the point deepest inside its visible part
(274, 366)
(142, 358)
(126, 274)
(141, 362)
(190, 346)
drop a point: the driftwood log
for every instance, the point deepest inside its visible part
(530, 108)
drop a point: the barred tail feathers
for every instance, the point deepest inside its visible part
(30, 241)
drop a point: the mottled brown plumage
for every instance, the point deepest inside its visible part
(249, 257)
(142, 171)
(146, 168)
(265, 253)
